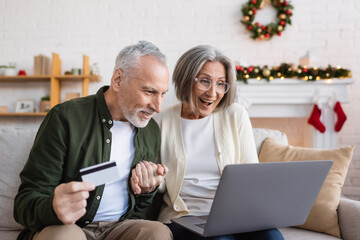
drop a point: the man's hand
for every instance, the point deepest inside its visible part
(146, 176)
(70, 200)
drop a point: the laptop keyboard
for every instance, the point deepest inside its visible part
(201, 225)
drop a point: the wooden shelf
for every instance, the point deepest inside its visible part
(55, 79)
(45, 78)
(93, 78)
(34, 114)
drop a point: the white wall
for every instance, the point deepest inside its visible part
(329, 29)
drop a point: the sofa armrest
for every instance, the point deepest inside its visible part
(349, 219)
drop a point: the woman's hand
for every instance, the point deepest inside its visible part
(146, 176)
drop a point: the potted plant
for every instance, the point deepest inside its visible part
(10, 70)
(45, 104)
(2, 70)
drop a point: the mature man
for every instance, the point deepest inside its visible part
(113, 125)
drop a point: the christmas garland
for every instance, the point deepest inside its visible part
(286, 70)
(262, 32)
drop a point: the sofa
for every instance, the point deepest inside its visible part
(15, 144)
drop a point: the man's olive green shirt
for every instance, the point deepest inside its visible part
(74, 135)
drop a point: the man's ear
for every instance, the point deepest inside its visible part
(117, 78)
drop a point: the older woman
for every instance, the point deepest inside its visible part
(201, 135)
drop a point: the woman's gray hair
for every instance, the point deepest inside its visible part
(129, 58)
(188, 67)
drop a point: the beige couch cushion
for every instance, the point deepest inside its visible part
(323, 215)
(15, 146)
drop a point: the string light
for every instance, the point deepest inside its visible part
(290, 71)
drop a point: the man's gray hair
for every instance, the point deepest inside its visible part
(129, 58)
(188, 67)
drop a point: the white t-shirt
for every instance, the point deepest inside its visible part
(115, 200)
(202, 173)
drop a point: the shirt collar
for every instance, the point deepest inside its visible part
(104, 112)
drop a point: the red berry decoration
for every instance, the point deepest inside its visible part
(261, 31)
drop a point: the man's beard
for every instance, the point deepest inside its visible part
(135, 120)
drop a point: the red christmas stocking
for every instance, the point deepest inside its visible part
(315, 119)
(341, 117)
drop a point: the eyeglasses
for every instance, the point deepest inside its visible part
(205, 84)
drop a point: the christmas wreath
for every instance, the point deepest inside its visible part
(264, 32)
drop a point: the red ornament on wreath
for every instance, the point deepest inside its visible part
(258, 30)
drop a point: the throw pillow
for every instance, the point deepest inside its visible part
(323, 215)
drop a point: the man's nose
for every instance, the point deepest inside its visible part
(157, 103)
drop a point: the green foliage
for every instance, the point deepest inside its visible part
(45, 98)
(286, 70)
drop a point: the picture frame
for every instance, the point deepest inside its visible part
(25, 106)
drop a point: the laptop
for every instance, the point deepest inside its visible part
(252, 197)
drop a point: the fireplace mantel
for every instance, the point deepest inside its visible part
(292, 98)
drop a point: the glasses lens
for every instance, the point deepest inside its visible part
(204, 84)
(221, 87)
